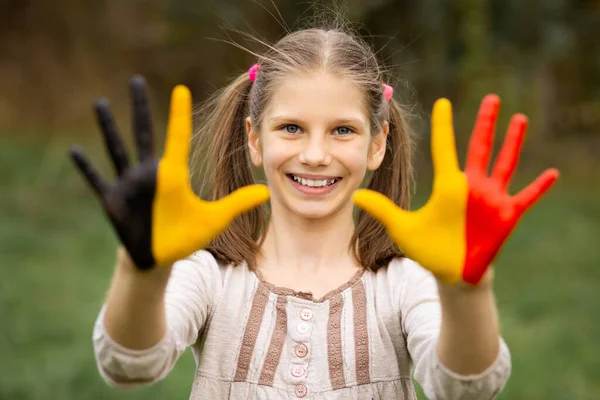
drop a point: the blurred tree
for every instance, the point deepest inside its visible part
(542, 57)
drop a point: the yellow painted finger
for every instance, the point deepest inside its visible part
(443, 144)
(242, 200)
(382, 209)
(179, 130)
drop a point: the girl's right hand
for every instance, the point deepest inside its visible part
(152, 206)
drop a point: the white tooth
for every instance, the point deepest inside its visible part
(313, 182)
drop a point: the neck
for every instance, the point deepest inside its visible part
(307, 245)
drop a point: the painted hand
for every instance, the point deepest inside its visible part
(151, 205)
(460, 230)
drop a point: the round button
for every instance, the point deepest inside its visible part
(301, 350)
(303, 327)
(301, 390)
(297, 371)
(306, 314)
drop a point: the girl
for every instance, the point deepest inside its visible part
(308, 303)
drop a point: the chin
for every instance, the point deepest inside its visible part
(313, 214)
(316, 210)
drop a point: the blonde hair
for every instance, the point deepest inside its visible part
(222, 130)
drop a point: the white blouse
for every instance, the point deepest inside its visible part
(252, 340)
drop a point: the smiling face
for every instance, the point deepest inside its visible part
(315, 144)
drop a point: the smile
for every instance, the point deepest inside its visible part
(314, 186)
(313, 182)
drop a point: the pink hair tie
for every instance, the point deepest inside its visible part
(388, 92)
(253, 71)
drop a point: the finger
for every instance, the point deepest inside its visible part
(98, 185)
(507, 160)
(242, 200)
(480, 145)
(528, 196)
(179, 130)
(443, 145)
(142, 125)
(113, 142)
(380, 207)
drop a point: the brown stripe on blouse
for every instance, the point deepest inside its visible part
(276, 346)
(259, 303)
(334, 342)
(361, 334)
(405, 388)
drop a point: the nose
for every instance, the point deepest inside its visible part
(315, 151)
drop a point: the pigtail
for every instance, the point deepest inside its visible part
(223, 132)
(394, 179)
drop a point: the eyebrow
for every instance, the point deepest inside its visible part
(338, 121)
(348, 121)
(282, 118)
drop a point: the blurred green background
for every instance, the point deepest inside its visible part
(57, 250)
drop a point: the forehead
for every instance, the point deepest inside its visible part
(318, 96)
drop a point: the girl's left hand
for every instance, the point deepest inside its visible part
(469, 215)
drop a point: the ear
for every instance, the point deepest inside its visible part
(378, 147)
(253, 144)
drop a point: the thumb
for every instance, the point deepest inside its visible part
(381, 208)
(242, 200)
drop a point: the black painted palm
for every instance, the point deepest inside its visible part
(151, 205)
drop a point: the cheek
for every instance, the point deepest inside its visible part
(275, 154)
(354, 158)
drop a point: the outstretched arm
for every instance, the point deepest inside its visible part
(159, 221)
(461, 230)
(469, 335)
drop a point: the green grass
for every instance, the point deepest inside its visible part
(57, 251)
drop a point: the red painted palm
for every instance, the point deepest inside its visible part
(469, 216)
